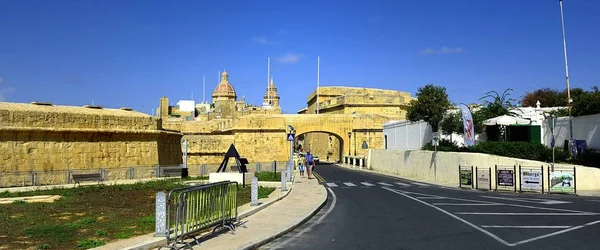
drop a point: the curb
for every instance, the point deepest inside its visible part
(290, 228)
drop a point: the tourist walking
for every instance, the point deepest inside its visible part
(310, 164)
(301, 168)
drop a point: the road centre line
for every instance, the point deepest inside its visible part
(527, 227)
(312, 225)
(367, 184)
(420, 184)
(430, 197)
(451, 215)
(331, 184)
(349, 184)
(529, 214)
(402, 184)
(384, 184)
(508, 204)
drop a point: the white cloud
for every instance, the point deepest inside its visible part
(443, 50)
(290, 58)
(5, 90)
(262, 40)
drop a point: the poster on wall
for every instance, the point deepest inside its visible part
(562, 181)
(531, 179)
(506, 178)
(466, 177)
(483, 179)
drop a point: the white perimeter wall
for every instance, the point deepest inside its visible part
(407, 135)
(584, 128)
(442, 167)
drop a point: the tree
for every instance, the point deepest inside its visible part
(547, 97)
(452, 123)
(550, 97)
(498, 106)
(586, 103)
(430, 106)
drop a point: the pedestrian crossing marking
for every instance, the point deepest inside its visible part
(329, 184)
(384, 184)
(349, 184)
(367, 184)
(402, 184)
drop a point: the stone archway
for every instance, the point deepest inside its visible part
(327, 145)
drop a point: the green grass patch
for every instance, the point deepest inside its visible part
(268, 176)
(88, 216)
(90, 243)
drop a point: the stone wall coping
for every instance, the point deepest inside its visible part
(84, 130)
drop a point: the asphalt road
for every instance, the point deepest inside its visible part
(369, 211)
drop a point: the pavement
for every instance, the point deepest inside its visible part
(275, 216)
(372, 211)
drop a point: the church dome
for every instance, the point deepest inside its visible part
(224, 88)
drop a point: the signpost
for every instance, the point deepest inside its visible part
(531, 179)
(505, 177)
(483, 179)
(465, 176)
(562, 181)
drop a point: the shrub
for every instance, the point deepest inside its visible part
(521, 150)
(444, 145)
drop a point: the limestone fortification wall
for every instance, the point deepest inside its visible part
(56, 138)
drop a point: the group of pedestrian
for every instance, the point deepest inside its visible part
(307, 165)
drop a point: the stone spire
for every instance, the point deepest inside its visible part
(271, 95)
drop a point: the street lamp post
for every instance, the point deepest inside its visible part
(569, 100)
(349, 140)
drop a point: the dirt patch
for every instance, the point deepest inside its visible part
(31, 199)
(15, 216)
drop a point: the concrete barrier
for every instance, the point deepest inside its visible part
(442, 167)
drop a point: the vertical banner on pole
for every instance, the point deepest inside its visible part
(469, 129)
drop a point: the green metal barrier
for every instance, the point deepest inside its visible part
(187, 211)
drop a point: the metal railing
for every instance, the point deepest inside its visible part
(186, 211)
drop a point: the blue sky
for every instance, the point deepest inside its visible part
(130, 53)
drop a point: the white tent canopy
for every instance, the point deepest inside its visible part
(505, 120)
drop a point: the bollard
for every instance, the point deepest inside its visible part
(254, 192)
(283, 181)
(161, 215)
(274, 169)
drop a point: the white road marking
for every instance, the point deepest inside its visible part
(331, 184)
(367, 184)
(528, 227)
(384, 184)
(556, 233)
(312, 225)
(528, 214)
(530, 200)
(402, 184)
(468, 204)
(453, 216)
(420, 184)
(508, 204)
(430, 197)
(349, 184)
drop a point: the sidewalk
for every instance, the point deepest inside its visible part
(275, 216)
(304, 200)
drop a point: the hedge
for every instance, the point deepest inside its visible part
(521, 150)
